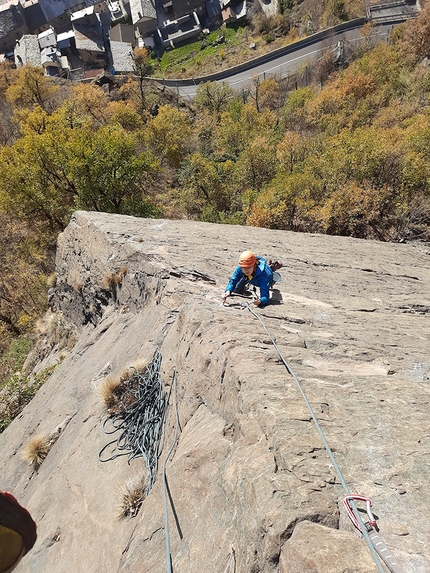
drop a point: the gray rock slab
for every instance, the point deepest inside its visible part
(252, 487)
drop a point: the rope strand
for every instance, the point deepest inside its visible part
(326, 445)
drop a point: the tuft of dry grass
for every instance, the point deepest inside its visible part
(132, 494)
(110, 391)
(113, 386)
(140, 365)
(51, 280)
(36, 449)
(113, 280)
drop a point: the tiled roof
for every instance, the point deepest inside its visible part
(142, 9)
(122, 56)
(27, 51)
(88, 37)
(10, 19)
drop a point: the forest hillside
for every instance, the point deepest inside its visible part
(348, 155)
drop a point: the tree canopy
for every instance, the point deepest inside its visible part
(347, 154)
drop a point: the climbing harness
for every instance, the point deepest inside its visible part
(140, 421)
(373, 532)
(350, 497)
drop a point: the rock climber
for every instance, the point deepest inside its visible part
(254, 270)
(17, 532)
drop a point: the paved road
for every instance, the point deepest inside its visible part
(287, 63)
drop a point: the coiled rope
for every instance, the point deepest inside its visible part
(327, 447)
(140, 420)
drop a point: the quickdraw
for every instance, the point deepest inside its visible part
(372, 529)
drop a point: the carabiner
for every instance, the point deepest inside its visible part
(351, 514)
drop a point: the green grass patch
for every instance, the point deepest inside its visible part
(184, 57)
(14, 357)
(17, 392)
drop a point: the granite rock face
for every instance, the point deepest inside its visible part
(251, 487)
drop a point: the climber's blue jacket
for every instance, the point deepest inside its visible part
(262, 278)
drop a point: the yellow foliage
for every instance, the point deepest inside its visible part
(289, 150)
(125, 115)
(358, 86)
(31, 121)
(358, 211)
(268, 95)
(91, 101)
(30, 87)
(168, 133)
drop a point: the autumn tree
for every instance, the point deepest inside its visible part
(416, 39)
(290, 151)
(31, 87)
(34, 182)
(51, 171)
(109, 173)
(213, 97)
(26, 261)
(167, 135)
(334, 13)
(229, 137)
(266, 93)
(143, 68)
(293, 113)
(90, 101)
(289, 202)
(256, 164)
(360, 211)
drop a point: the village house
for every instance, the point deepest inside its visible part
(27, 51)
(88, 35)
(144, 19)
(76, 38)
(12, 25)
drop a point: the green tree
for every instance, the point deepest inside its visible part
(44, 176)
(214, 97)
(34, 182)
(207, 185)
(109, 173)
(168, 135)
(257, 164)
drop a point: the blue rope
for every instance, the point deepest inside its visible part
(327, 447)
